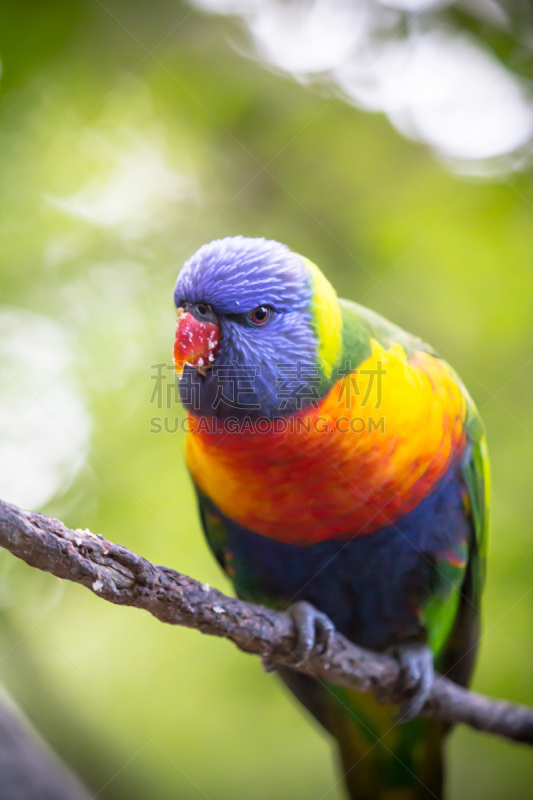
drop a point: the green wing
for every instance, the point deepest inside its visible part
(360, 324)
(476, 475)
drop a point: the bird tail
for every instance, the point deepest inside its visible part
(380, 759)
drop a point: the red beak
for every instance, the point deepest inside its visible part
(196, 342)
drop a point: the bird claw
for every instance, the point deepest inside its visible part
(417, 676)
(314, 631)
(268, 664)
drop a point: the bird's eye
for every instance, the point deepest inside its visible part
(260, 315)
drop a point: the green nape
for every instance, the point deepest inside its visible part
(344, 330)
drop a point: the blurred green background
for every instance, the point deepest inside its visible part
(130, 134)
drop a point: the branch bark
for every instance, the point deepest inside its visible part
(116, 574)
(28, 768)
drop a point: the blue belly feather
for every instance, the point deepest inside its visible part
(372, 586)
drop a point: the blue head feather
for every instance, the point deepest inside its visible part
(255, 366)
(236, 274)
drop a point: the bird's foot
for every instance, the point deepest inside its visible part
(416, 677)
(314, 631)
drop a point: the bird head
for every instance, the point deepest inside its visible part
(258, 329)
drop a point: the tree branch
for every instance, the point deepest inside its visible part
(28, 767)
(115, 574)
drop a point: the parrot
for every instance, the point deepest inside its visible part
(341, 472)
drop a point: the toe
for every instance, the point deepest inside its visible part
(412, 708)
(268, 664)
(314, 630)
(325, 631)
(417, 676)
(304, 621)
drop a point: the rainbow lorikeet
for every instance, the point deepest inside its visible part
(341, 473)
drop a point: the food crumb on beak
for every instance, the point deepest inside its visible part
(196, 342)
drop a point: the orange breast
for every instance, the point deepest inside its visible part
(369, 453)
